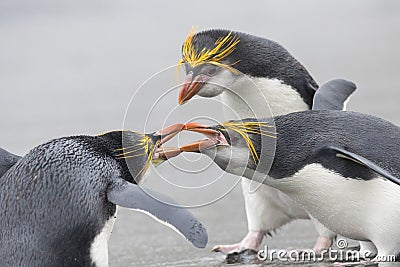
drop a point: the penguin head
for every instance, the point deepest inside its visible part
(135, 152)
(216, 60)
(235, 146)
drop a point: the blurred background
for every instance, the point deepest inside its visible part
(72, 67)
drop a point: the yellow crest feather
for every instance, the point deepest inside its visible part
(250, 127)
(143, 147)
(224, 46)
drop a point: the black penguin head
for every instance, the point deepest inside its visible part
(234, 145)
(215, 60)
(135, 151)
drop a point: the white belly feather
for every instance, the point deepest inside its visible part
(358, 209)
(266, 208)
(99, 247)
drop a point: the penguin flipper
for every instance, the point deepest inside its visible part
(7, 160)
(344, 154)
(333, 94)
(161, 208)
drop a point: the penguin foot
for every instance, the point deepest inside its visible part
(322, 244)
(226, 249)
(251, 241)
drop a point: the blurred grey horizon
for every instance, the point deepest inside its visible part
(71, 67)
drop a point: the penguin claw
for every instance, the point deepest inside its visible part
(216, 249)
(227, 249)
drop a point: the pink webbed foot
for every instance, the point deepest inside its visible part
(322, 244)
(251, 241)
(226, 249)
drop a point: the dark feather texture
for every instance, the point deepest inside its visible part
(302, 135)
(54, 201)
(7, 160)
(260, 57)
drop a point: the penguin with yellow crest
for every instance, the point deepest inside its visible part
(59, 202)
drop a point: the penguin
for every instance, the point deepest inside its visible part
(254, 77)
(7, 160)
(59, 202)
(342, 167)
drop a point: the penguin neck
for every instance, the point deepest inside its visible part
(261, 97)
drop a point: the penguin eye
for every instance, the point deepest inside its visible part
(212, 71)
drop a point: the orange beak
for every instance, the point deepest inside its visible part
(167, 152)
(200, 128)
(214, 137)
(169, 132)
(191, 87)
(198, 146)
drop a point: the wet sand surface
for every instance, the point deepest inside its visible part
(70, 68)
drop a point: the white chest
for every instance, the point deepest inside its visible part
(358, 209)
(259, 98)
(99, 247)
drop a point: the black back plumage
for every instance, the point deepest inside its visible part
(260, 57)
(7, 160)
(53, 201)
(301, 137)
